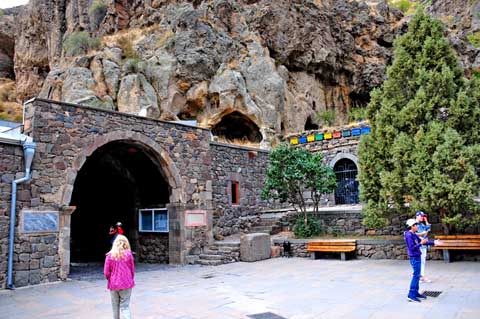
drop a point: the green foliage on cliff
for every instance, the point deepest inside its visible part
(357, 114)
(125, 42)
(474, 39)
(424, 149)
(326, 117)
(97, 12)
(295, 175)
(79, 43)
(406, 6)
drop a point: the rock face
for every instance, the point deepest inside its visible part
(272, 65)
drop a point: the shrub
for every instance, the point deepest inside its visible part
(132, 66)
(357, 114)
(474, 39)
(310, 229)
(79, 43)
(126, 44)
(97, 12)
(326, 117)
(407, 7)
(1, 13)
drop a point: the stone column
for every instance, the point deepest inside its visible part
(181, 239)
(64, 240)
(176, 233)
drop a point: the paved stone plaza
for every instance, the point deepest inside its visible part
(292, 288)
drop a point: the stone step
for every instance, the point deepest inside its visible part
(210, 257)
(233, 244)
(267, 223)
(209, 262)
(260, 229)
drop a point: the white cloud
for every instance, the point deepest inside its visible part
(12, 3)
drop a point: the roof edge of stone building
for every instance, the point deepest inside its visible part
(113, 112)
(248, 148)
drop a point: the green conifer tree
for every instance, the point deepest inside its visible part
(423, 149)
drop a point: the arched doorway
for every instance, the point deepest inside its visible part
(347, 184)
(116, 180)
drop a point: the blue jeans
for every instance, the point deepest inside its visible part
(416, 263)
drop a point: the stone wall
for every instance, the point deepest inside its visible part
(366, 249)
(11, 167)
(36, 257)
(247, 166)
(153, 248)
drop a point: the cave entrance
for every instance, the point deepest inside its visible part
(117, 180)
(237, 127)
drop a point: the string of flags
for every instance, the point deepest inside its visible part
(329, 135)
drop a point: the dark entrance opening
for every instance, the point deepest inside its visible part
(347, 184)
(236, 126)
(115, 181)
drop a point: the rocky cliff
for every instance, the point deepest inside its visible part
(249, 70)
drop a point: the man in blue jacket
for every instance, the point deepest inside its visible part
(413, 248)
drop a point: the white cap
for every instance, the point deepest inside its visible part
(411, 222)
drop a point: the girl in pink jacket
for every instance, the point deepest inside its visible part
(119, 270)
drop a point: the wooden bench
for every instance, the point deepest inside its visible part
(341, 246)
(457, 242)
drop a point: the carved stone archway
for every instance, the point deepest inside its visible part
(160, 156)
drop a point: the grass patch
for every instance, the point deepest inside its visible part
(474, 39)
(407, 7)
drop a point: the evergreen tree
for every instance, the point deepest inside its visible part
(423, 149)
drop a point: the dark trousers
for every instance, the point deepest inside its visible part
(416, 263)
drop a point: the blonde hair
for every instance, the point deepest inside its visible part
(120, 245)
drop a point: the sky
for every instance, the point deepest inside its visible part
(11, 3)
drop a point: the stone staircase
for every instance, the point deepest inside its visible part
(270, 226)
(270, 222)
(219, 253)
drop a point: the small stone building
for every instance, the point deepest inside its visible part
(166, 182)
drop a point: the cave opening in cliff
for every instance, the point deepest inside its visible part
(237, 127)
(310, 125)
(119, 178)
(359, 99)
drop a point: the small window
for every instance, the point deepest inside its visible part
(153, 220)
(235, 193)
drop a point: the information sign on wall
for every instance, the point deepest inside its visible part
(39, 221)
(195, 218)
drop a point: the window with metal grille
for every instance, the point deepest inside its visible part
(347, 184)
(235, 193)
(154, 220)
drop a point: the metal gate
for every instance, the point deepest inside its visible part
(347, 184)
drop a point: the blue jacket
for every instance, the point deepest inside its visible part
(421, 228)
(413, 244)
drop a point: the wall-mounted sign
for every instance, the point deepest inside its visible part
(195, 218)
(39, 221)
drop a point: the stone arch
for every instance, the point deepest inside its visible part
(345, 166)
(168, 166)
(349, 156)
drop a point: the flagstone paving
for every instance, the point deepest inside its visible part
(292, 288)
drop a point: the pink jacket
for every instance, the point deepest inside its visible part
(120, 273)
